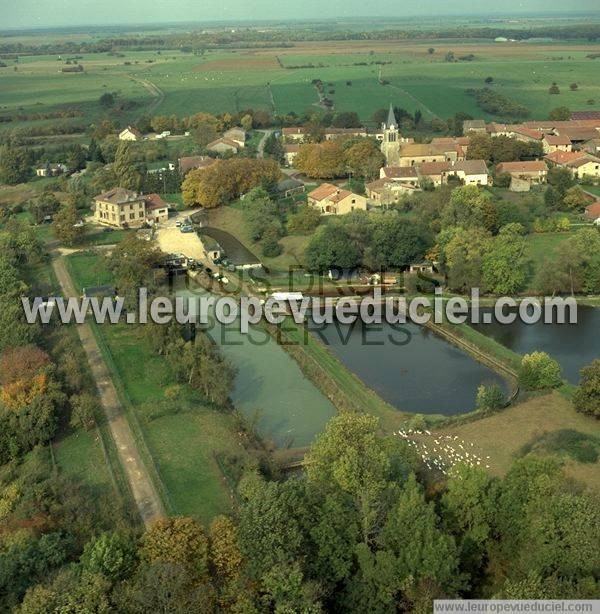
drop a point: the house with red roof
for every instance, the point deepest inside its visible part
(333, 200)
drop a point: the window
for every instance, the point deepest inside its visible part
(141, 214)
(131, 216)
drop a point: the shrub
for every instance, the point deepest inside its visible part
(489, 397)
(539, 371)
(554, 89)
(587, 396)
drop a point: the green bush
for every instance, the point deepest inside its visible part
(539, 371)
(489, 397)
(587, 396)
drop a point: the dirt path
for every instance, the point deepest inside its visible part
(144, 493)
(154, 91)
(260, 150)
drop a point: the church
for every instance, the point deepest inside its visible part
(392, 140)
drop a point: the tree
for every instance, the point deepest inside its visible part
(538, 372)
(346, 119)
(504, 265)
(131, 264)
(332, 247)
(480, 146)
(364, 158)
(554, 89)
(225, 555)
(463, 251)
(468, 207)
(126, 169)
(431, 51)
(489, 80)
(177, 541)
(18, 363)
(43, 206)
(351, 457)
(321, 160)
(396, 243)
(64, 226)
(227, 180)
(246, 122)
(575, 199)
(586, 397)
(112, 555)
(304, 221)
(421, 550)
(573, 87)
(467, 509)
(14, 165)
(107, 100)
(560, 114)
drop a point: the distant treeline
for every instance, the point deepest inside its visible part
(254, 37)
(497, 104)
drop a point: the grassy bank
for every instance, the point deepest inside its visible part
(345, 390)
(179, 441)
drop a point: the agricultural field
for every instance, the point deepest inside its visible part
(280, 79)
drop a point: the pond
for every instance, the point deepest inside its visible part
(409, 366)
(573, 345)
(270, 389)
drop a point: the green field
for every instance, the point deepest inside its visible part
(279, 80)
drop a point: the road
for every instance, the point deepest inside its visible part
(146, 498)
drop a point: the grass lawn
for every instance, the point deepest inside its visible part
(88, 269)
(104, 237)
(541, 247)
(231, 219)
(503, 435)
(594, 189)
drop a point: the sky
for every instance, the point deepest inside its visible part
(56, 13)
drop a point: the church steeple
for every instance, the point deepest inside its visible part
(391, 120)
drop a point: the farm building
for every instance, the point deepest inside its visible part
(224, 145)
(51, 170)
(130, 134)
(290, 151)
(188, 163)
(534, 171)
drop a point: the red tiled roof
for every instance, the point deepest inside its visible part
(592, 212)
(564, 157)
(585, 115)
(154, 201)
(533, 166)
(553, 139)
(400, 172)
(294, 130)
(187, 163)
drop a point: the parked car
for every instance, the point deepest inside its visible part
(178, 223)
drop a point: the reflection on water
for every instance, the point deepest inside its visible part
(408, 365)
(573, 345)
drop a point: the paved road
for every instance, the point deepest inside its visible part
(144, 493)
